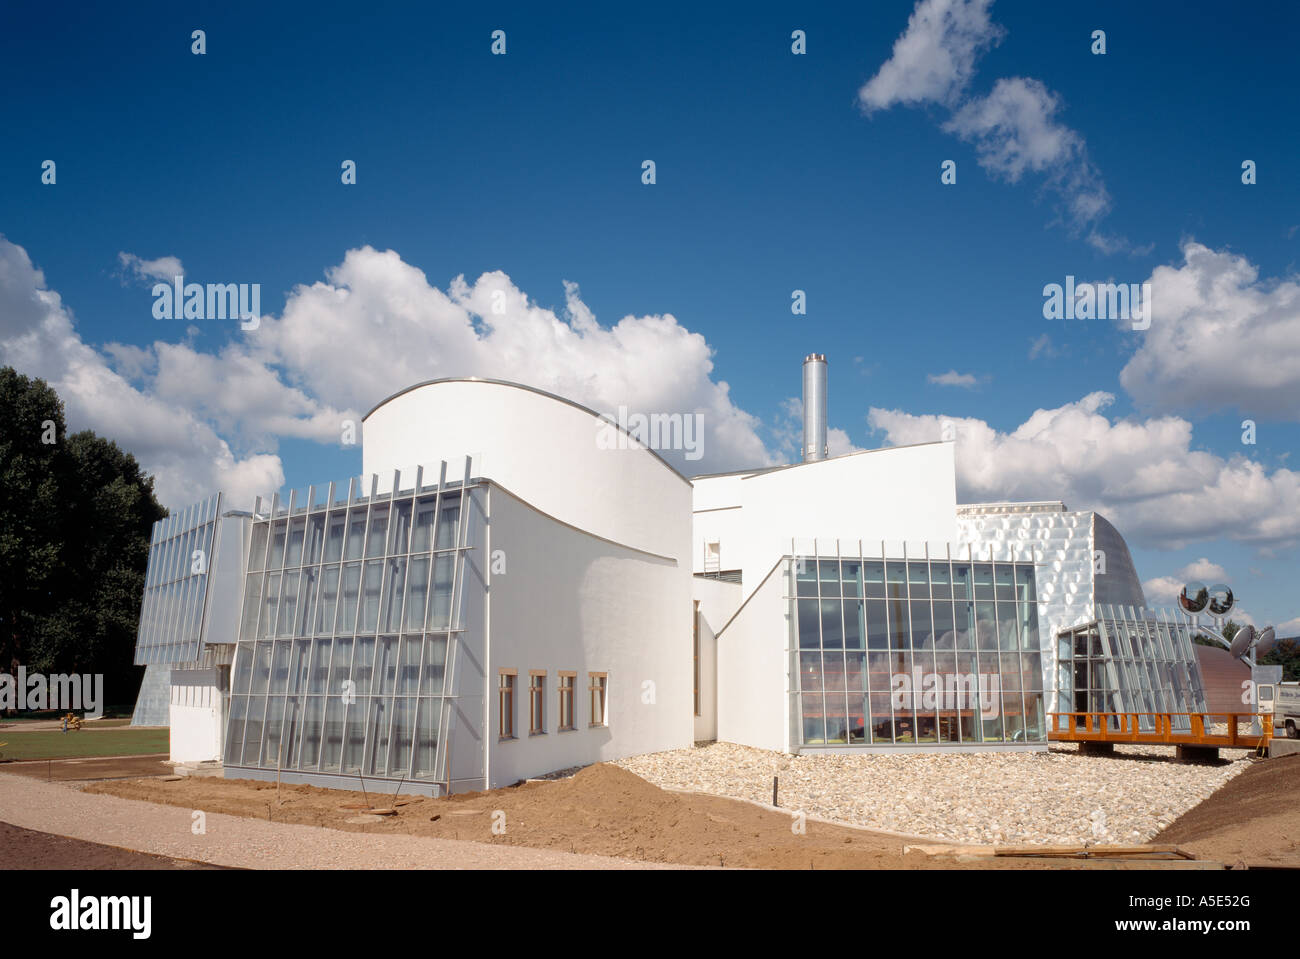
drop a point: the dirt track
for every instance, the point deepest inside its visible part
(1254, 819)
(26, 849)
(107, 767)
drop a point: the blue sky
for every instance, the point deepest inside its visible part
(774, 173)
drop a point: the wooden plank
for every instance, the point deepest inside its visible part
(1148, 852)
(1098, 851)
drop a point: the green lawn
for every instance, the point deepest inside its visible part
(53, 744)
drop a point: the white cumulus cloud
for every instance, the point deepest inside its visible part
(1014, 128)
(1164, 590)
(377, 324)
(1220, 338)
(953, 378)
(1142, 475)
(934, 58)
(185, 454)
(205, 420)
(164, 268)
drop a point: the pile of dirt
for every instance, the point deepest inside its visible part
(1254, 819)
(602, 810)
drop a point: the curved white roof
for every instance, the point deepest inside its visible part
(561, 457)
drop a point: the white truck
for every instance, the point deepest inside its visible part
(1286, 710)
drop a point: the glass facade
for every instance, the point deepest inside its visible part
(908, 652)
(1130, 660)
(350, 622)
(176, 585)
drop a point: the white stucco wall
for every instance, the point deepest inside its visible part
(904, 493)
(717, 601)
(753, 668)
(542, 448)
(721, 526)
(570, 601)
(718, 510)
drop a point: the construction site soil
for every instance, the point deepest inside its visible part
(1253, 820)
(603, 810)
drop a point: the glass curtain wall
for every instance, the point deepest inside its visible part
(1130, 660)
(350, 610)
(907, 652)
(176, 585)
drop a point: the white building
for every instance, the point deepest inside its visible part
(506, 592)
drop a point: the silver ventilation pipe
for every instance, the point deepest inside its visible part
(814, 407)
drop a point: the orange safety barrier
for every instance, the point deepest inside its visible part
(1199, 730)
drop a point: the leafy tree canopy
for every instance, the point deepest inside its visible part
(75, 518)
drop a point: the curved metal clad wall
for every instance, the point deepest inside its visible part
(1061, 542)
(1119, 585)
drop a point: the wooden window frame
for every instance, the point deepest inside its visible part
(506, 711)
(571, 689)
(536, 702)
(603, 688)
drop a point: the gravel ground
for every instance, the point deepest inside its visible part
(1053, 797)
(254, 844)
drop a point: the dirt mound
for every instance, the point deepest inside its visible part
(1254, 819)
(602, 810)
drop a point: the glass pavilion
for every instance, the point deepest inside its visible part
(1130, 660)
(906, 652)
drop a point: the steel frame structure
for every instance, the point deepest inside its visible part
(175, 599)
(379, 749)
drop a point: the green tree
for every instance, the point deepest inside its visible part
(75, 517)
(1229, 630)
(1287, 655)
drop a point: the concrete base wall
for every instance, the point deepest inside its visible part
(1283, 747)
(378, 789)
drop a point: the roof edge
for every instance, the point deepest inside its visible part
(530, 389)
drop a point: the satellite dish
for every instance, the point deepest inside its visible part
(1266, 641)
(1241, 642)
(1194, 597)
(1220, 599)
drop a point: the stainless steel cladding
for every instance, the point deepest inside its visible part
(814, 407)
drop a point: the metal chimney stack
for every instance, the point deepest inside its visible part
(814, 407)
